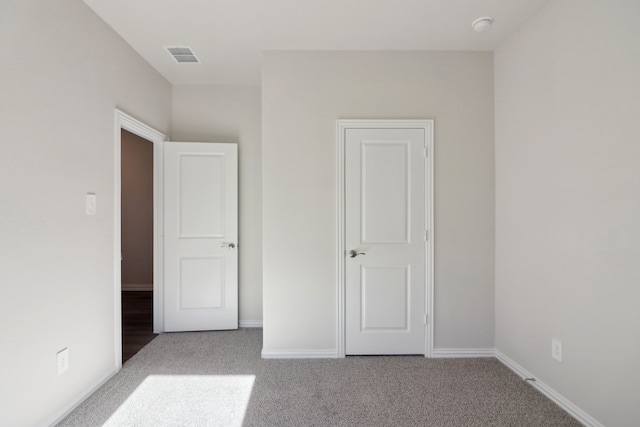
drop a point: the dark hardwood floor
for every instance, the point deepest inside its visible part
(137, 322)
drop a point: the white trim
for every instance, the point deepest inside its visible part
(341, 126)
(250, 323)
(429, 224)
(158, 233)
(62, 414)
(340, 220)
(463, 352)
(125, 121)
(553, 395)
(299, 354)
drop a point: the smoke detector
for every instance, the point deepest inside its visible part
(482, 24)
(182, 54)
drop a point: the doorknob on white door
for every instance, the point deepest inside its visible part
(228, 245)
(354, 254)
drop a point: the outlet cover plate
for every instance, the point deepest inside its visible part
(63, 361)
(556, 349)
(90, 203)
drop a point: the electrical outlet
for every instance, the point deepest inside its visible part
(90, 203)
(63, 361)
(556, 349)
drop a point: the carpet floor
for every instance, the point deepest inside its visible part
(219, 379)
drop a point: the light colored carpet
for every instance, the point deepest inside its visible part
(219, 379)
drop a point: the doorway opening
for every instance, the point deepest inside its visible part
(378, 190)
(154, 286)
(136, 209)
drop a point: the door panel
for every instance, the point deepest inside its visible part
(200, 235)
(385, 224)
(201, 283)
(381, 189)
(385, 298)
(201, 213)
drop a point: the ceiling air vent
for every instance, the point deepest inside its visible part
(183, 54)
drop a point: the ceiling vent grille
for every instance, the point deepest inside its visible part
(182, 54)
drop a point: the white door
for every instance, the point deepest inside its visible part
(385, 241)
(200, 236)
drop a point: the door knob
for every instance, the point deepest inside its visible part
(354, 254)
(229, 245)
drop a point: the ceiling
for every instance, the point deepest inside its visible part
(229, 36)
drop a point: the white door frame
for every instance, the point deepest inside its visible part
(126, 122)
(342, 126)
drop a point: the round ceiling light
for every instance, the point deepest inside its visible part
(482, 24)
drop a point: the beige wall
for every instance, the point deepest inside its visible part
(568, 203)
(63, 73)
(232, 114)
(137, 212)
(303, 95)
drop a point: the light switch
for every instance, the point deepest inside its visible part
(91, 203)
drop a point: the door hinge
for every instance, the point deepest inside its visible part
(426, 235)
(426, 152)
(426, 319)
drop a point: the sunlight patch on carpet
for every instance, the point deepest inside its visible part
(169, 400)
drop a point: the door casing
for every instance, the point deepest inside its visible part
(341, 127)
(127, 122)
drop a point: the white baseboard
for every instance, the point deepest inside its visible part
(251, 323)
(62, 414)
(463, 352)
(299, 354)
(543, 388)
(332, 354)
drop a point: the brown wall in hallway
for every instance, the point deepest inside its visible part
(137, 212)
